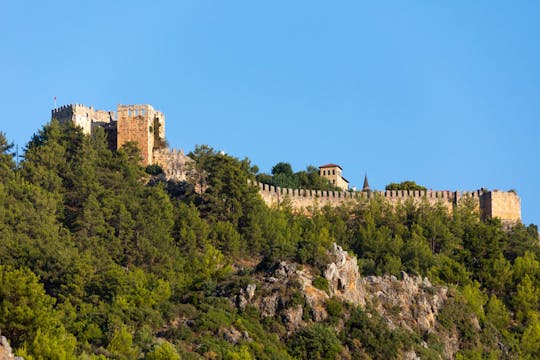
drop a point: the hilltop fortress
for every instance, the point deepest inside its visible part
(141, 124)
(145, 126)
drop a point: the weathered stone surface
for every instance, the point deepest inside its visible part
(6, 353)
(344, 279)
(241, 301)
(269, 305)
(505, 205)
(316, 299)
(250, 291)
(292, 318)
(85, 117)
(285, 270)
(143, 125)
(234, 336)
(245, 296)
(175, 164)
(411, 303)
(411, 355)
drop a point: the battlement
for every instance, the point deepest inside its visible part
(491, 204)
(389, 194)
(76, 108)
(138, 110)
(83, 116)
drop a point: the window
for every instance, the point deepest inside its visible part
(333, 172)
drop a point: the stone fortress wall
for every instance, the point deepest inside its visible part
(83, 116)
(492, 204)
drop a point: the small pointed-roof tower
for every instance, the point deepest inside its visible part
(366, 184)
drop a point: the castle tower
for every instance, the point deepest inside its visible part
(332, 172)
(83, 116)
(505, 205)
(141, 124)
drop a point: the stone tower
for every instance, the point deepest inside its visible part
(143, 125)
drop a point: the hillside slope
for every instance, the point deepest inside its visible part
(102, 260)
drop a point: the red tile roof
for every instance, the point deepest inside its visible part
(330, 166)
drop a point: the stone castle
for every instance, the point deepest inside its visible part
(145, 126)
(141, 124)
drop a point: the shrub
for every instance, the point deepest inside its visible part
(321, 283)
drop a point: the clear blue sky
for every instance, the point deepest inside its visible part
(445, 93)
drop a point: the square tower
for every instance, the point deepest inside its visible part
(143, 125)
(332, 172)
(505, 205)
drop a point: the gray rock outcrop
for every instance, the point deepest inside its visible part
(411, 303)
(6, 353)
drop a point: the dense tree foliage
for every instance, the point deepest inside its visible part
(405, 185)
(100, 259)
(284, 177)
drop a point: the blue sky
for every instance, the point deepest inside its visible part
(443, 93)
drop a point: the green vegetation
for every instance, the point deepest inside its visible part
(284, 177)
(321, 283)
(405, 185)
(153, 169)
(101, 260)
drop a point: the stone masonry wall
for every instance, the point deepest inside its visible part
(83, 116)
(503, 205)
(175, 164)
(136, 123)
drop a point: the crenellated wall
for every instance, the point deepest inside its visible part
(503, 205)
(83, 116)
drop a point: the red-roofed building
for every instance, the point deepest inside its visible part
(332, 172)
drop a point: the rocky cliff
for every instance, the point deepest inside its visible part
(411, 303)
